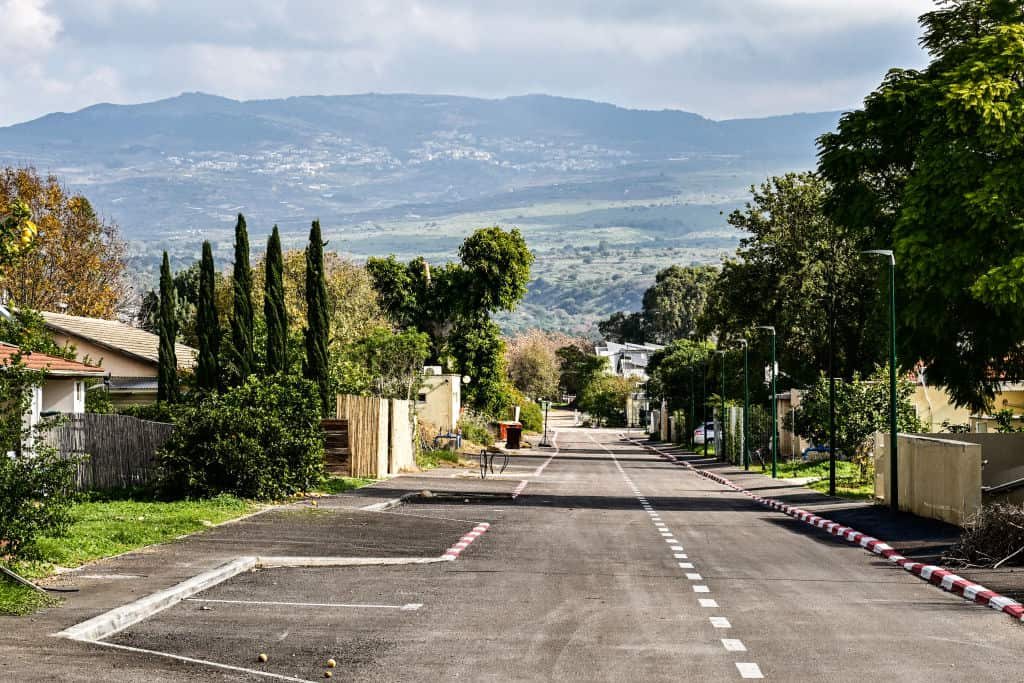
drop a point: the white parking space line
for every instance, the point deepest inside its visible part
(701, 589)
(692, 576)
(733, 645)
(677, 548)
(749, 670)
(686, 565)
(707, 602)
(412, 606)
(720, 622)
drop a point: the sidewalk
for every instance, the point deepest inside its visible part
(923, 540)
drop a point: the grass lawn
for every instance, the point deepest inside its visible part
(106, 525)
(429, 459)
(342, 484)
(849, 483)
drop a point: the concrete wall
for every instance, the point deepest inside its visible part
(1002, 455)
(402, 452)
(440, 401)
(938, 478)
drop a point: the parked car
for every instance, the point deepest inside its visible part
(705, 433)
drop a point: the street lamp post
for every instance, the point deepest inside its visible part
(704, 405)
(544, 441)
(775, 407)
(746, 404)
(894, 491)
(724, 449)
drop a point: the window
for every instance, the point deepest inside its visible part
(422, 397)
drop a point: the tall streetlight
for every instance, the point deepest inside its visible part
(746, 403)
(894, 491)
(725, 450)
(775, 407)
(704, 404)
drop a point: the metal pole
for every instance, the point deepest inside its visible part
(894, 490)
(832, 408)
(704, 405)
(746, 405)
(775, 416)
(893, 433)
(725, 450)
(692, 416)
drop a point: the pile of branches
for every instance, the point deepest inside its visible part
(995, 538)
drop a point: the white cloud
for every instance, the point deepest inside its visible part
(718, 58)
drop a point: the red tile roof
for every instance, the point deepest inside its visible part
(51, 364)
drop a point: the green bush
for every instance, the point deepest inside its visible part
(532, 417)
(261, 440)
(475, 428)
(155, 412)
(37, 486)
(37, 489)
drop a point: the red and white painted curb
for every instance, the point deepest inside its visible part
(943, 578)
(464, 542)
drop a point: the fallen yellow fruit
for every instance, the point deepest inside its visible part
(262, 657)
(327, 674)
(331, 663)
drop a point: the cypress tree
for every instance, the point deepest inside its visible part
(273, 307)
(207, 325)
(167, 328)
(315, 367)
(242, 311)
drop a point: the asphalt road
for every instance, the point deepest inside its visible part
(611, 565)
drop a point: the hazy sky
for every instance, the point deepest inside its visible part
(720, 58)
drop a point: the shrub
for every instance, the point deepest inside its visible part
(36, 484)
(155, 412)
(475, 428)
(994, 537)
(262, 440)
(532, 417)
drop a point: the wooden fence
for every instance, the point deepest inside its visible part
(379, 435)
(121, 450)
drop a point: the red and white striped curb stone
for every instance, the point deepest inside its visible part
(464, 542)
(943, 578)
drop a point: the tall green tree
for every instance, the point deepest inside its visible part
(930, 167)
(274, 310)
(316, 366)
(801, 272)
(242, 314)
(167, 359)
(453, 304)
(208, 325)
(674, 304)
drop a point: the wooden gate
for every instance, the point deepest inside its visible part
(336, 448)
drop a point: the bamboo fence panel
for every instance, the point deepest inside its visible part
(121, 449)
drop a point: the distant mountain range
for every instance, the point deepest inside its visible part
(413, 173)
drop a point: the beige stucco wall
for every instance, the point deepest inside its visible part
(113, 362)
(443, 401)
(935, 407)
(938, 478)
(63, 395)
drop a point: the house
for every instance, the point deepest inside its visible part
(627, 360)
(439, 401)
(63, 390)
(127, 354)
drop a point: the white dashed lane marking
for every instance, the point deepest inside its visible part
(746, 669)
(749, 670)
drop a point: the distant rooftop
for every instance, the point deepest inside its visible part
(50, 364)
(119, 337)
